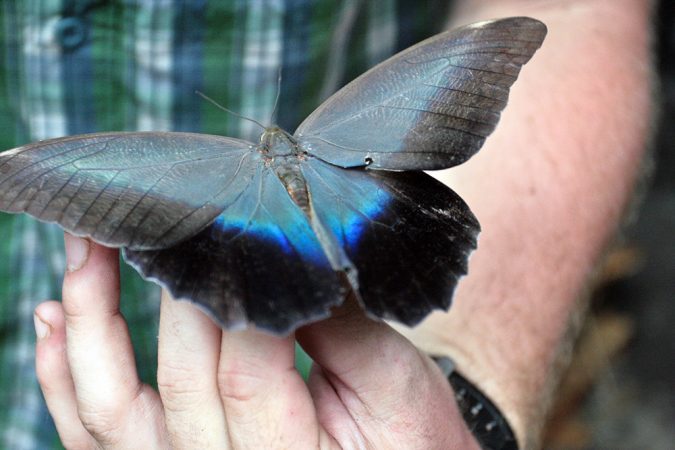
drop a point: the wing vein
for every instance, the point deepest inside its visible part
(217, 194)
(56, 194)
(91, 204)
(40, 161)
(138, 202)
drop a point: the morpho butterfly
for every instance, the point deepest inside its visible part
(274, 233)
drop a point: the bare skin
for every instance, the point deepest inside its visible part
(549, 189)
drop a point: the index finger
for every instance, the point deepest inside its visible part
(111, 399)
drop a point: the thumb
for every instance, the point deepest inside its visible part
(393, 394)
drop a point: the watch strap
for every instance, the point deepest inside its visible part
(484, 419)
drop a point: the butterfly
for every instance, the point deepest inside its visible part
(274, 234)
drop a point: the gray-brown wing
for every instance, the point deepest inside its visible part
(137, 190)
(428, 107)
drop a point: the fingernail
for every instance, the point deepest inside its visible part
(42, 329)
(77, 252)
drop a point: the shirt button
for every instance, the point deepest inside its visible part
(70, 32)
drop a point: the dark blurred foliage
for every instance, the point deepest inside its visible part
(665, 54)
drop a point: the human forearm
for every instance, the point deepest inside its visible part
(549, 189)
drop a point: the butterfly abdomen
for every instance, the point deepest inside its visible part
(292, 179)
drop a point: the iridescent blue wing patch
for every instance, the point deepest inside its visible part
(402, 237)
(259, 263)
(430, 106)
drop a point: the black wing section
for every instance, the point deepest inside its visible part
(428, 107)
(138, 190)
(403, 237)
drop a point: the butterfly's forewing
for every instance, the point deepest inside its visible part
(407, 235)
(137, 190)
(259, 263)
(429, 107)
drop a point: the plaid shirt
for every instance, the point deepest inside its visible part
(79, 66)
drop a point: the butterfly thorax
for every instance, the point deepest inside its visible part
(276, 142)
(283, 155)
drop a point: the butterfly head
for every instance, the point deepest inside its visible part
(276, 142)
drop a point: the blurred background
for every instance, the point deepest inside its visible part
(619, 392)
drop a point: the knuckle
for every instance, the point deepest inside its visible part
(180, 387)
(405, 360)
(103, 424)
(73, 290)
(105, 415)
(241, 382)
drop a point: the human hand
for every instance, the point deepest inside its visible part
(369, 388)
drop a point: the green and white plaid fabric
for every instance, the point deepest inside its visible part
(78, 66)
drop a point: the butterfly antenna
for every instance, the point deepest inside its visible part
(276, 100)
(218, 105)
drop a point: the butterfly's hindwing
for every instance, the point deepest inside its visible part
(407, 235)
(259, 263)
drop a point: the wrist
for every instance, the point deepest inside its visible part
(517, 384)
(517, 394)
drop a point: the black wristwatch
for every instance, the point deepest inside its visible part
(486, 422)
